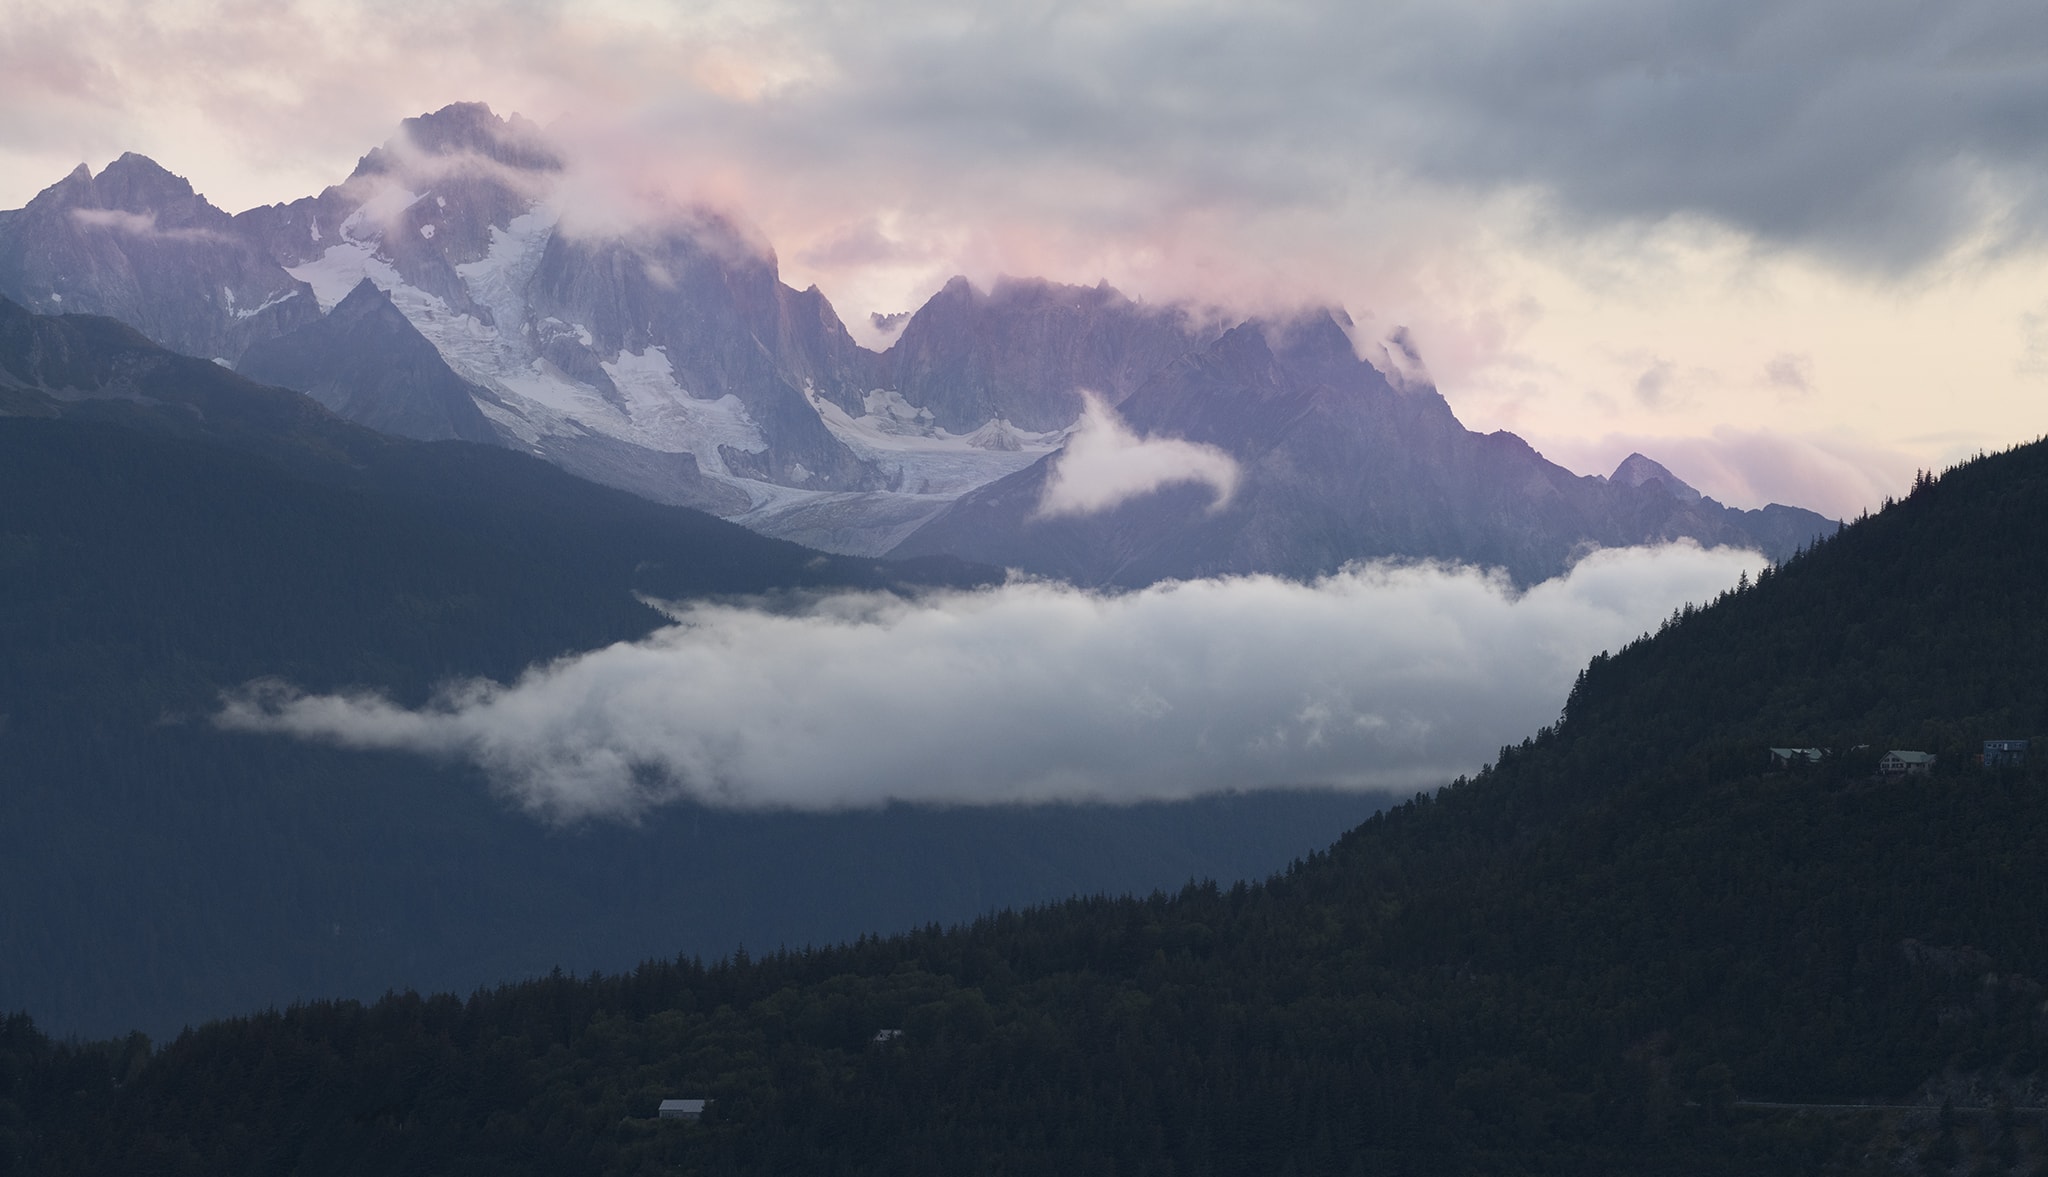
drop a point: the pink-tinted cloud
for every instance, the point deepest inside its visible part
(1258, 158)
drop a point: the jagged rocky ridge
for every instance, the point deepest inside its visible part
(442, 291)
(1335, 462)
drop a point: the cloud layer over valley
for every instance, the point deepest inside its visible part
(1394, 677)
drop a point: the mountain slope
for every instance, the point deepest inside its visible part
(1622, 948)
(368, 364)
(1336, 464)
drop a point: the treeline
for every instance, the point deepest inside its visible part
(1587, 959)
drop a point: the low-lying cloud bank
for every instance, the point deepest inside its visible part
(1395, 677)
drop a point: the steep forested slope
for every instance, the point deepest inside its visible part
(1597, 956)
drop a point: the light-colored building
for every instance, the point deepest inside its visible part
(689, 1110)
(1897, 763)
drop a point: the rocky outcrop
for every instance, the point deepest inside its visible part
(1023, 352)
(726, 325)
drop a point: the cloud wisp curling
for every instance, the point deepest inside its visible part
(1378, 677)
(1106, 463)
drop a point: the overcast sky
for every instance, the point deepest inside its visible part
(1792, 250)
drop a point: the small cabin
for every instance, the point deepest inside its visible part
(1898, 763)
(687, 1110)
(1787, 757)
(2005, 754)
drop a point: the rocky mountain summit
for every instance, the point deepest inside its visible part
(1637, 470)
(136, 243)
(449, 288)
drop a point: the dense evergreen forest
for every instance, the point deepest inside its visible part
(169, 529)
(1602, 954)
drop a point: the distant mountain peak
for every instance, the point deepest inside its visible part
(465, 128)
(136, 163)
(472, 126)
(137, 182)
(133, 183)
(367, 298)
(1637, 470)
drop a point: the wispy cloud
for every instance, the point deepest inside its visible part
(1106, 462)
(143, 225)
(1396, 677)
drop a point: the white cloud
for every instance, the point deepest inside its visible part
(138, 225)
(1396, 677)
(1106, 463)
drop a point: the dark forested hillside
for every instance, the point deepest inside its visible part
(169, 529)
(1607, 953)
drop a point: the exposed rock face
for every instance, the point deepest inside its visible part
(366, 362)
(668, 358)
(1336, 465)
(450, 221)
(138, 244)
(1023, 351)
(727, 327)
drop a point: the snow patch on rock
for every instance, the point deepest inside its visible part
(927, 460)
(342, 268)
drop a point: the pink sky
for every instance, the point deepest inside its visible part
(1789, 263)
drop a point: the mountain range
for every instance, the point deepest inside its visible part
(449, 288)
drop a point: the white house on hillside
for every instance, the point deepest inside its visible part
(1896, 763)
